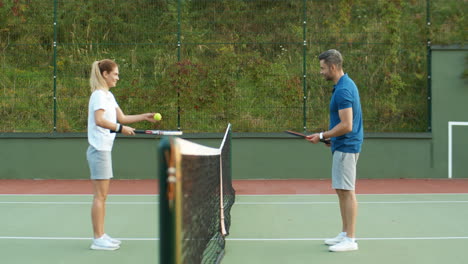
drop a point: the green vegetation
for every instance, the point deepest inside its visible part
(239, 61)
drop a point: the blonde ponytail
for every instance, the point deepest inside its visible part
(96, 81)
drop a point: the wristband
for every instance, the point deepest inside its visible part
(321, 138)
(119, 128)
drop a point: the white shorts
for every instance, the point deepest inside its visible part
(100, 164)
(344, 170)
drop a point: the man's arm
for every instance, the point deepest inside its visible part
(345, 126)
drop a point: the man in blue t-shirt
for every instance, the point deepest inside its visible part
(346, 134)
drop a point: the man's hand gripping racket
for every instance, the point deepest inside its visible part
(297, 134)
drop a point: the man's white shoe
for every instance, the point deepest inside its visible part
(112, 240)
(346, 245)
(103, 244)
(335, 240)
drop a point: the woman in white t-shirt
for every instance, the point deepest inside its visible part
(105, 119)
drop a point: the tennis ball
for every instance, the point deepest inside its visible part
(157, 116)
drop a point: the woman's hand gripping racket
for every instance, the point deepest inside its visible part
(297, 134)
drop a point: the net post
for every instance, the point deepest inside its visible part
(165, 214)
(178, 204)
(170, 202)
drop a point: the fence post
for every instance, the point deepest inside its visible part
(55, 65)
(429, 66)
(304, 64)
(178, 56)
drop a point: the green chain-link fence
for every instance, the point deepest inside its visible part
(205, 63)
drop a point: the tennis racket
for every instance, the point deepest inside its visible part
(297, 134)
(159, 132)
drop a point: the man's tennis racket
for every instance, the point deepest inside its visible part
(297, 134)
(159, 132)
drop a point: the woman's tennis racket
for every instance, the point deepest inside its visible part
(159, 132)
(297, 134)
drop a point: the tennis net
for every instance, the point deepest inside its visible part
(196, 196)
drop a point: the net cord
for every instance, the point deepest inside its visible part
(221, 189)
(221, 199)
(225, 136)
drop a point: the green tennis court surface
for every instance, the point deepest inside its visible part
(270, 229)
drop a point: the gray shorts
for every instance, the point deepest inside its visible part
(100, 164)
(344, 170)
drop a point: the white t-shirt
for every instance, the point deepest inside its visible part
(101, 138)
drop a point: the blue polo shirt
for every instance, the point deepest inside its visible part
(346, 95)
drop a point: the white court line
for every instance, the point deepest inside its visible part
(236, 203)
(80, 195)
(358, 238)
(87, 203)
(357, 194)
(382, 202)
(243, 195)
(236, 239)
(70, 238)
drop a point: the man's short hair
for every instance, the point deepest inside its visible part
(332, 57)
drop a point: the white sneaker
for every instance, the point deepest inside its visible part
(112, 240)
(338, 239)
(103, 244)
(345, 245)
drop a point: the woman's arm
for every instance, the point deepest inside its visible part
(128, 119)
(104, 123)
